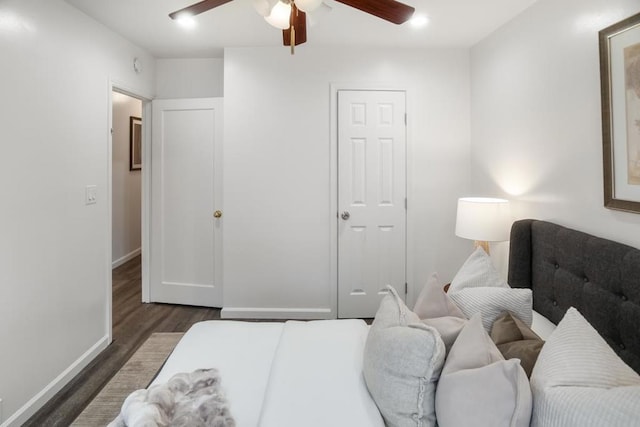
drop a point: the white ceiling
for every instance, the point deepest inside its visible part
(452, 23)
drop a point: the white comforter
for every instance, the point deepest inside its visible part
(288, 374)
(283, 374)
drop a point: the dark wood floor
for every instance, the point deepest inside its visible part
(133, 323)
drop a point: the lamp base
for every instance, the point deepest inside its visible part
(483, 244)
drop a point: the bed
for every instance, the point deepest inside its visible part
(599, 277)
(311, 373)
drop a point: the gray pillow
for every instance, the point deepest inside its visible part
(434, 302)
(402, 362)
(478, 387)
(448, 327)
(435, 308)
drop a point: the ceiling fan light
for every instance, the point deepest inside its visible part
(279, 16)
(186, 21)
(308, 5)
(419, 21)
(263, 7)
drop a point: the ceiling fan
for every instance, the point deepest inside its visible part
(290, 15)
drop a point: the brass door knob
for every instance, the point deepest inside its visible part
(217, 214)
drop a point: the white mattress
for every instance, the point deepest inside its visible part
(283, 374)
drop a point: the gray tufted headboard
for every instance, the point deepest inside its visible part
(599, 277)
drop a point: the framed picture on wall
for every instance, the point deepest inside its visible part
(620, 88)
(135, 143)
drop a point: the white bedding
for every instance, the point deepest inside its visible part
(283, 374)
(241, 351)
(316, 377)
(289, 374)
(542, 326)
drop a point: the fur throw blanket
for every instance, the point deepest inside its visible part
(187, 399)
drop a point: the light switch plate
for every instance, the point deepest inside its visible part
(91, 195)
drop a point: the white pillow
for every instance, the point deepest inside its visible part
(477, 271)
(402, 363)
(578, 380)
(478, 387)
(435, 308)
(492, 302)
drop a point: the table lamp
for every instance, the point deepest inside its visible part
(484, 220)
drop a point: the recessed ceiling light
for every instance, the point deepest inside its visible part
(419, 21)
(186, 21)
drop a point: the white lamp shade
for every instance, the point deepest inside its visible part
(483, 219)
(308, 5)
(279, 16)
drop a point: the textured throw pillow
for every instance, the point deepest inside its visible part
(478, 387)
(478, 288)
(492, 302)
(402, 362)
(435, 308)
(578, 380)
(515, 340)
(477, 271)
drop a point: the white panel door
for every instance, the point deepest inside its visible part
(371, 199)
(186, 172)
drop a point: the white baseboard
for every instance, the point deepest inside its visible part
(131, 255)
(38, 401)
(276, 313)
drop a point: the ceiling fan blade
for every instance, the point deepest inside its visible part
(389, 10)
(198, 8)
(298, 20)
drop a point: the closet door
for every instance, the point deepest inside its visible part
(371, 199)
(186, 211)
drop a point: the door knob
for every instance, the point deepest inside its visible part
(345, 215)
(217, 214)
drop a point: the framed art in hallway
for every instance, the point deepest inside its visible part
(135, 143)
(620, 89)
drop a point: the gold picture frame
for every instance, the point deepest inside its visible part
(620, 90)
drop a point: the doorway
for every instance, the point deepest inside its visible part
(126, 194)
(126, 179)
(372, 203)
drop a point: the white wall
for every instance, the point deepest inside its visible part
(126, 195)
(54, 250)
(189, 78)
(536, 126)
(277, 174)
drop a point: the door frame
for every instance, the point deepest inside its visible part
(145, 188)
(333, 202)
